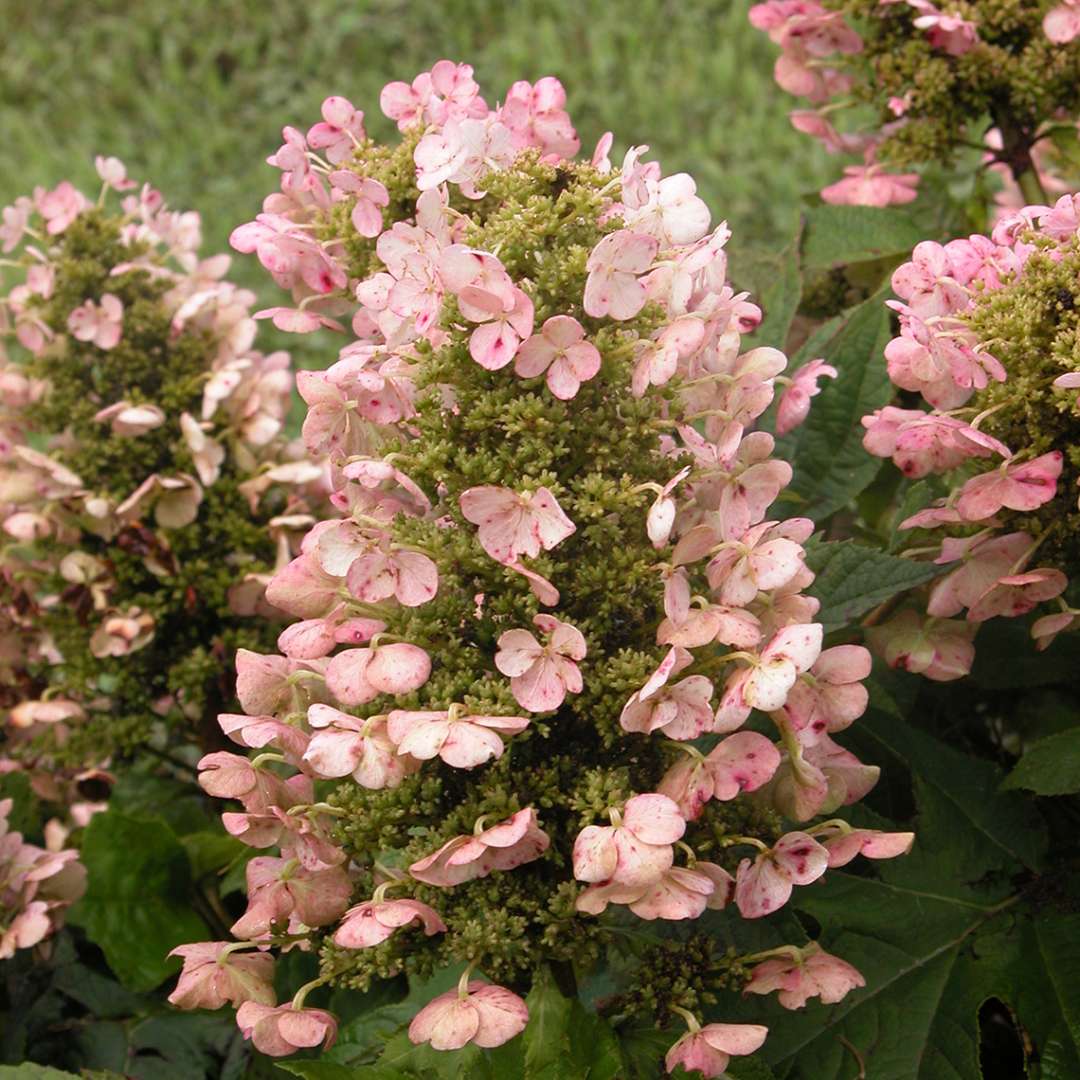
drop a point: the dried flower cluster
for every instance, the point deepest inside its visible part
(515, 705)
(932, 77)
(988, 336)
(142, 477)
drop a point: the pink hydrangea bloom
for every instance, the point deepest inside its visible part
(211, 977)
(1062, 23)
(709, 1049)
(844, 845)
(814, 973)
(765, 884)
(615, 267)
(282, 1030)
(373, 921)
(509, 844)
(868, 185)
(794, 404)
(339, 131)
(460, 740)
(99, 324)
(542, 675)
(343, 745)
(561, 351)
(514, 523)
(636, 849)
(478, 1013)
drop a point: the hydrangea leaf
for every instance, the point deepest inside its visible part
(852, 579)
(1050, 767)
(774, 278)
(831, 466)
(136, 907)
(835, 235)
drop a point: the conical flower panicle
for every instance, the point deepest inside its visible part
(552, 581)
(144, 487)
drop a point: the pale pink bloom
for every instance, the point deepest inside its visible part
(357, 676)
(742, 762)
(843, 846)
(1024, 486)
(921, 443)
(373, 921)
(830, 696)
(127, 419)
(676, 659)
(122, 633)
(282, 894)
(561, 351)
(671, 212)
(867, 185)
(13, 224)
(818, 126)
(515, 523)
(495, 342)
(702, 625)
(950, 33)
(661, 517)
(344, 745)
(991, 580)
(752, 485)
(337, 135)
(681, 711)
(59, 207)
(928, 281)
(100, 324)
(794, 404)
(1017, 594)
(757, 561)
(983, 560)
(765, 885)
(634, 851)
(175, 499)
(814, 973)
(462, 152)
(292, 256)
(410, 577)
(615, 266)
(207, 454)
(1045, 629)
(280, 1031)
(460, 740)
(846, 778)
(766, 682)
(257, 732)
(265, 686)
(708, 1050)
(542, 675)
(541, 588)
(505, 846)
(536, 116)
(676, 894)
(1061, 24)
(209, 979)
(1069, 381)
(291, 157)
(371, 196)
(112, 172)
(689, 783)
(304, 589)
(940, 649)
(658, 359)
(483, 1014)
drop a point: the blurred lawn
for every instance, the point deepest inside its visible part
(193, 95)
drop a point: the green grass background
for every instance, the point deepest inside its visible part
(192, 95)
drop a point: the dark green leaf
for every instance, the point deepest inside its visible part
(29, 1071)
(834, 235)
(25, 816)
(831, 466)
(1050, 767)
(775, 282)
(1005, 658)
(137, 905)
(852, 579)
(329, 1070)
(547, 1039)
(209, 852)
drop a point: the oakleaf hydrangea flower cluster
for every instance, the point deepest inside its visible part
(988, 337)
(144, 486)
(933, 76)
(531, 640)
(36, 886)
